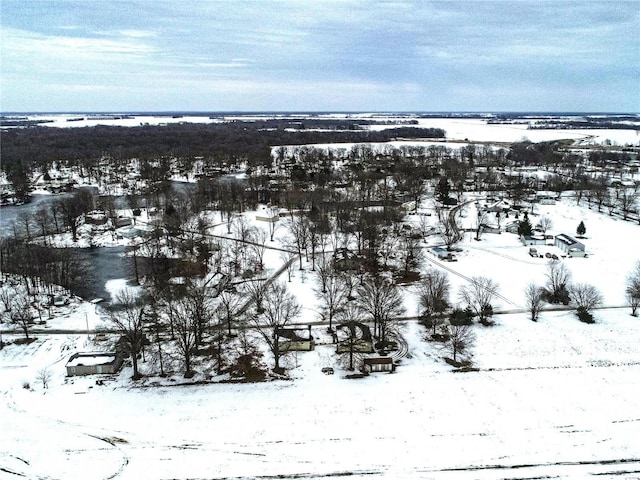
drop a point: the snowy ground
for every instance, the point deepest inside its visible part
(556, 398)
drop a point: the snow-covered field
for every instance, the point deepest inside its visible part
(556, 398)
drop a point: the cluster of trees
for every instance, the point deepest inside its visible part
(27, 299)
(452, 325)
(633, 288)
(54, 217)
(42, 268)
(560, 289)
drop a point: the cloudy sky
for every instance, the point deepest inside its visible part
(350, 55)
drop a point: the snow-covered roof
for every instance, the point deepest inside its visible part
(90, 359)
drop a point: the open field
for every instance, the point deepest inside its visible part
(553, 398)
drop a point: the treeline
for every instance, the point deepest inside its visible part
(251, 141)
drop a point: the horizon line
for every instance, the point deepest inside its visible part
(314, 112)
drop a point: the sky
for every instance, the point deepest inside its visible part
(350, 55)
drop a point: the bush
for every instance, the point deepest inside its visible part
(584, 315)
(461, 317)
(458, 364)
(561, 296)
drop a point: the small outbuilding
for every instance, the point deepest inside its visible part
(90, 363)
(378, 364)
(534, 239)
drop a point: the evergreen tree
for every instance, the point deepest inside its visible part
(581, 230)
(524, 227)
(443, 189)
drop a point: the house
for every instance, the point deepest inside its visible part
(123, 222)
(443, 254)
(570, 245)
(546, 198)
(96, 218)
(93, 362)
(269, 216)
(489, 228)
(512, 227)
(345, 260)
(378, 364)
(409, 206)
(295, 340)
(498, 207)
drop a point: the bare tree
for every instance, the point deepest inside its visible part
(411, 253)
(478, 296)
(43, 376)
(273, 222)
(42, 216)
(534, 297)
(449, 229)
(434, 291)
(633, 288)
(627, 200)
(288, 259)
(323, 272)
(347, 335)
(72, 207)
(545, 224)
(199, 299)
(258, 247)
(7, 295)
(280, 307)
(228, 308)
(25, 220)
(461, 339)
(481, 221)
(381, 300)
(298, 226)
(127, 314)
(558, 278)
(351, 283)
(586, 297)
(257, 290)
(185, 328)
(334, 296)
(388, 247)
(21, 314)
(600, 192)
(243, 234)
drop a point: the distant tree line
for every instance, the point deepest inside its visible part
(252, 141)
